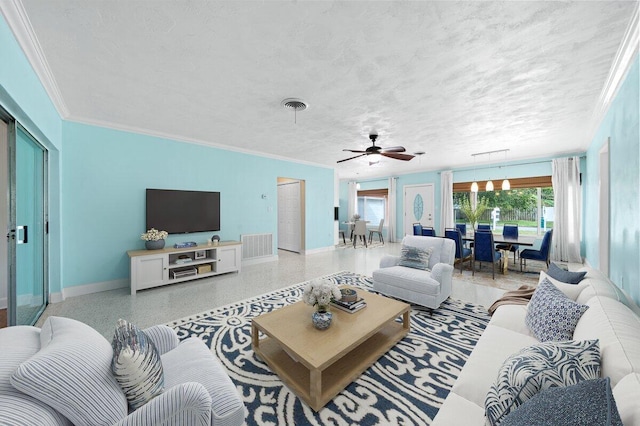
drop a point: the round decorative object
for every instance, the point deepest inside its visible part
(348, 295)
(418, 207)
(154, 245)
(321, 319)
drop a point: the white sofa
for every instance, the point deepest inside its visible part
(64, 373)
(423, 287)
(611, 318)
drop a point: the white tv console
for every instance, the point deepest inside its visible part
(154, 268)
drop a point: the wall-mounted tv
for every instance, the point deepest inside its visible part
(181, 212)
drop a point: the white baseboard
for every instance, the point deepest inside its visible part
(258, 260)
(3, 303)
(319, 250)
(81, 290)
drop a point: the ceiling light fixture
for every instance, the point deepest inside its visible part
(489, 186)
(296, 105)
(506, 185)
(474, 185)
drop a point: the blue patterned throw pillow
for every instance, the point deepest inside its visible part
(414, 257)
(539, 367)
(552, 316)
(587, 403)
(136, 364)
(564, 276)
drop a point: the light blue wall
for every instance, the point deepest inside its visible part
(621, 124)
(24, 97)
(105, 174)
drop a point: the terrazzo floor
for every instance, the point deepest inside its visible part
(164, 304)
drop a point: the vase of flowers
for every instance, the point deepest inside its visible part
(319, 293)
(154, 239)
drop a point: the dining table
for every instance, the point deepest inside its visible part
(522, 240)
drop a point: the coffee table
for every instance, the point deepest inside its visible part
(317, 364)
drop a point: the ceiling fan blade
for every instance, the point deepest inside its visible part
(347, 159)
(394, 149)
(405, 157)
(355, 150)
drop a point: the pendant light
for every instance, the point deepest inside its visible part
(506, 185)
(474, 185)
(489, 186)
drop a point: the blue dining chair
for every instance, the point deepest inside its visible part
(484, 251)
(541, 255)
(417, 229)
(462, 227)
(462, 253)
(484, 227)
(428, 231)
(509, 231)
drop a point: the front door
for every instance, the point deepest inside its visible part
(418, 206)
(27, 227)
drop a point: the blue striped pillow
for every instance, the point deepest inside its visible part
(136, 364)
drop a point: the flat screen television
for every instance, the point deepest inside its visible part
(181, 212)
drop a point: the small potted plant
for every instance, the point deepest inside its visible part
(154, 239)
(319, 293)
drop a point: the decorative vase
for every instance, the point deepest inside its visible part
(154, 245)
(322, 318)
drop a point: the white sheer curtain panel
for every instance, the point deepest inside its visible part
(446, 207)
(391, 217)
(565, 178)
(352, 204)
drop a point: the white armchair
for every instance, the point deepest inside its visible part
(427, 288)
(61, 375)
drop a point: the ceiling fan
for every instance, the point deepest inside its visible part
(376, 152)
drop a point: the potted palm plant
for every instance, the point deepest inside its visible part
(473, 214)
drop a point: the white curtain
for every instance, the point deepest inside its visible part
(352, 205)
(568, 203)
(391, 218)
(446, 206)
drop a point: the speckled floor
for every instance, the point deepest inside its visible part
(164, 304)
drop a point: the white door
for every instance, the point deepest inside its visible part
(289, 228)
(418, 206)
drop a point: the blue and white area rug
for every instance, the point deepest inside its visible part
(406, 386)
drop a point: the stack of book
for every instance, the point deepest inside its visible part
(350, 307)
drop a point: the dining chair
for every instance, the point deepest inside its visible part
(510, 231)
(484, 251)
(428, 231)
(462, 253)
(360, 230)
(484, 227)
(344, 241)
(542, 255)
(417, 229)
(462, 227)
(377, 231)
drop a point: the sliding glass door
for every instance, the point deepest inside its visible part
(27, 236)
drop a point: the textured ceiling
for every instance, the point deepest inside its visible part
(446, 78)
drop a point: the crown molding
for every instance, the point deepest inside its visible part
(16, 16)
(619, 69)
(183, 139)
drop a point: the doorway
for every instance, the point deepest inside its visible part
(418, 206)
(24, 217)
(290, 214)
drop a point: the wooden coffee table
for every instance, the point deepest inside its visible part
(317, 364)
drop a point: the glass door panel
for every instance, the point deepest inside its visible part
(28, 285)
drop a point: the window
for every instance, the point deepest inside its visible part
(529, 203)
(372, 205)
